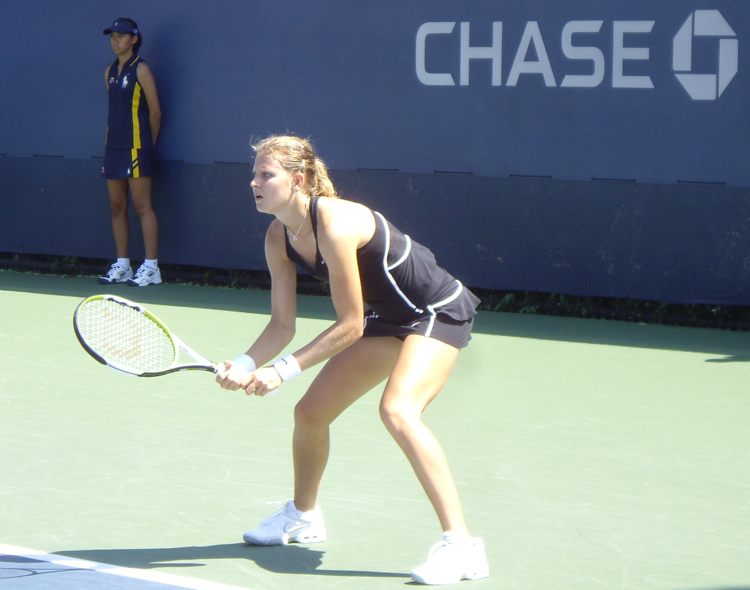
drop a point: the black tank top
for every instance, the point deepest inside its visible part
(400, 278)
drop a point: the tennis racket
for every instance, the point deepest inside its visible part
(127, 337)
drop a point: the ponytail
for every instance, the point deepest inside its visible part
(296, 155)
(323, 184)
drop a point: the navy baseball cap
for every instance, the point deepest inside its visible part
(121, 26)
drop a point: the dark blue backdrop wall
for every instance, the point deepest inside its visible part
(577, 147)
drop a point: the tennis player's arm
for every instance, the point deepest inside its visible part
(280, 329)
(339, 236)
(282, 325)
(147, 82)
(106, 78)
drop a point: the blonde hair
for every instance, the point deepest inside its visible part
(296, 155)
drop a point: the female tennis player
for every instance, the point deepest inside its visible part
(417, 319)
(132, 128)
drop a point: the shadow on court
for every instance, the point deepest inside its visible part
(733, 346)
(281, 559)
(736, 358)
(219, 298)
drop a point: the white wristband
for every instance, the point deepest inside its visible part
(245, 362)
(287, 367)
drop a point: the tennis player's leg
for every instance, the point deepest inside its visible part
(118, 204)
(342, 381)
(140, 190)
(421, 371)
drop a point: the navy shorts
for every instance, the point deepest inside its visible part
(121, 164)
(450, 323)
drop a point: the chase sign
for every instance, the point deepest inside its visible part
(628, 43)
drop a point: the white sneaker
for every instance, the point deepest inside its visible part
(289, 525)
(144, 276)
(116, 274)
(449, 563)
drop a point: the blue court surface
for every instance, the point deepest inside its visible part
(22, 569)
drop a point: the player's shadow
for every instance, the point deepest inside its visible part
(734, 358)
(281, 559)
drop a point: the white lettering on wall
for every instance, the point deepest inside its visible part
(423, 75)
(626, 48)
(542, 66)
(575, 52)
(495, 53)
(621, 54)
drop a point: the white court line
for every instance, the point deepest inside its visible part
(147, 575)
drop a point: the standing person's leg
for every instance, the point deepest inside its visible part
(118, 204)
(344, 379)
(148, 273)
(140, 190)
(120, 271)
(419, 374)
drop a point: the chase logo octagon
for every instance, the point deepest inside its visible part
(705, 23)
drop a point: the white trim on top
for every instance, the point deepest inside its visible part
(387, 269)
(407, 251)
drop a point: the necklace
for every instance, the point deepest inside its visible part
(294, 236)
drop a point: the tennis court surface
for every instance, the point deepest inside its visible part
(589, 454)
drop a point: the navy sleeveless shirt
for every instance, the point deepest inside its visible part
(127, 124)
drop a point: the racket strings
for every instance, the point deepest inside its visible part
(125, 336)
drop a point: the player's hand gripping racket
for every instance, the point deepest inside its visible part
(125, 336)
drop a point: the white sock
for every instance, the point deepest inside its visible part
(124, 262)
(152, 263)
(298, 513)
(456, 537)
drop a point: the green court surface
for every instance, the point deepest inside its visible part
(589, 454)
